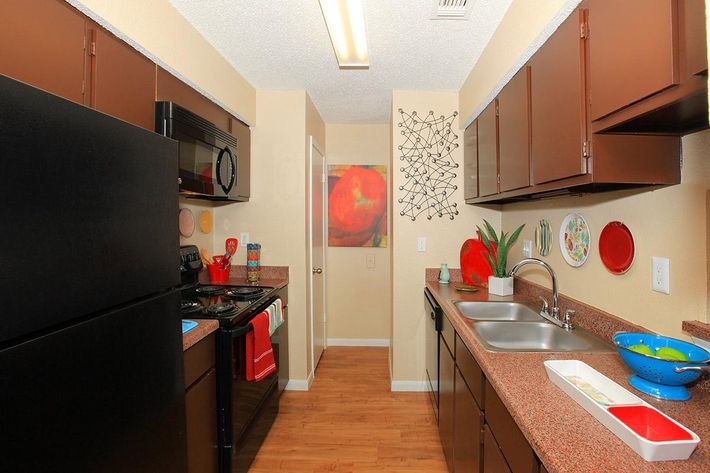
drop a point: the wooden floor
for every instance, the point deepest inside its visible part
(350, 422)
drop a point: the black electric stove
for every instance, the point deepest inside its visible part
(228, 304)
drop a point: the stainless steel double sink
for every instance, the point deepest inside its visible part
(517, 326)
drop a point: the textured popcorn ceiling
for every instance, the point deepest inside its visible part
(284, 44)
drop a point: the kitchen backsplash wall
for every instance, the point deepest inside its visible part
(202, 240)
(358, 296)
(669, 222)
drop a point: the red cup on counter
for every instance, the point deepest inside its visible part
(217, 273)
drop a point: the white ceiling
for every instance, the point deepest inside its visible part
(284, 44)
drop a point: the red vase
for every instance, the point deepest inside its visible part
(475, 268)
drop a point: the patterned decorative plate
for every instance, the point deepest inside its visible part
(543, 237)
(575, 239)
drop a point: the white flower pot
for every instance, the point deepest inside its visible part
(500, 286)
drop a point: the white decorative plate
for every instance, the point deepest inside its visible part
(575, 239)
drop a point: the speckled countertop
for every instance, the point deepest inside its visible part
(565, 437)
(204, 328)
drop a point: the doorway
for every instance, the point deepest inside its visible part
(317, 218)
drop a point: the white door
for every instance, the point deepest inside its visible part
(317, 240)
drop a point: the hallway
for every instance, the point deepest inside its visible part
(350, 422)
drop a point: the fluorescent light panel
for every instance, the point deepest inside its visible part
(346, 24)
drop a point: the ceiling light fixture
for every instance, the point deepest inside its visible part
(345, 20)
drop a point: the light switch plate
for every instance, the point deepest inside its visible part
(527, 248)
(660, 274)
(421, 244)
(243, 239)
(370, 261)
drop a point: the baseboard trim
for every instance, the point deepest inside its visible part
(300, 384)
(358, 342)
(409, 386)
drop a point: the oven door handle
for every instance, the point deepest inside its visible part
(241, 330)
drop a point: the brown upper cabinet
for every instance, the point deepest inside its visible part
(470, 161)
(648, 66)
(693, 44)
(170, 88)
(42, 44)
(558, 104)
(514, 132)
(633, 52)
(122, 79)
(488, 150)
(636, 139)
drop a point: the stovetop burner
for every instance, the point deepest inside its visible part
(228, 304)
(190, 307)
(221, 309)
(245, 292)
(210, 291)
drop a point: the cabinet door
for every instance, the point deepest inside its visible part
(42, 44)
(470, 161)
(558, 110)
(493, 460)
(488, 150)
(446, 403)
(648, 63)
(243, 134)
(468, 422)
(693, 40)
(170, 88)
(514, 132)
(201, 425)
(122, 79)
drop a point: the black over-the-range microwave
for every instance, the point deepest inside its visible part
(212, 165)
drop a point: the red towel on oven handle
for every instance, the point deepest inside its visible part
(259, 353)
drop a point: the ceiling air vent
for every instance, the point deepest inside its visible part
(451, 9)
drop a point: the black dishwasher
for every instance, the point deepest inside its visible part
(433, 316)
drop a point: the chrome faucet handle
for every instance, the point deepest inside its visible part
(567, 319)
(545, 305)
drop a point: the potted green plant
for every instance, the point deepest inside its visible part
(501, 282)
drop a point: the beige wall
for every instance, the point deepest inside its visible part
(524, 28)
(202, 240)
(444, 240)
(156, 29)
(358, 298)
(275, 216)
(668, 222)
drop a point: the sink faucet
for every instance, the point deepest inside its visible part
(566, 321)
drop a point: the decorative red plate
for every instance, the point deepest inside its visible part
(475, 268)
(616, 247)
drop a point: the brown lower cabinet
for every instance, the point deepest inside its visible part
(477, 432)
(201, 406)
(446, 402)
(468, 425)
(493, 459)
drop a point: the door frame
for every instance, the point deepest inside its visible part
(314, 144)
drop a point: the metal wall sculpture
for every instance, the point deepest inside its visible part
(428, 165)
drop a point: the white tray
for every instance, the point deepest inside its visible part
(598, 393)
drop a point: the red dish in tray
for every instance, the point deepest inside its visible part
(649, 423)
(616, 247)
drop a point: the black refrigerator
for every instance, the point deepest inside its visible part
(91, 376)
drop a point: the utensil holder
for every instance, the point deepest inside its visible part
(253, 262)
(217, 273)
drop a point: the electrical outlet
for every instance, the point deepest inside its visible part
(243, 239)
(660, 275)
(527, 248)
(370, 262)
(421, 244)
